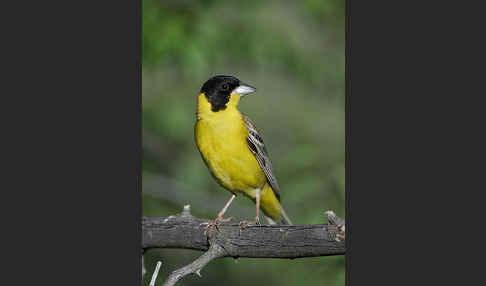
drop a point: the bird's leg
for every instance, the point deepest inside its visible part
(244, 224)
(219, 219)
(257, 197)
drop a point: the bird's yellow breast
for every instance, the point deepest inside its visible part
(221, 139)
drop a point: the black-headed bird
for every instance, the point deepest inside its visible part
(233, 149)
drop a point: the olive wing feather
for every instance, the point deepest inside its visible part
(257, 147)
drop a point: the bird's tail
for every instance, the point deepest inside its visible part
(271, 207)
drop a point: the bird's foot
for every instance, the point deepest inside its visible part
(245, 223)
(215, 223)
(257, 221)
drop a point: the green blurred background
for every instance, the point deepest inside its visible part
(293, 53)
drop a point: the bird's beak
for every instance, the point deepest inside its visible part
(244, 89)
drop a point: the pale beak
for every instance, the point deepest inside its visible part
(244, 89)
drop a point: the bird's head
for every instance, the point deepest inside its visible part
(220, 89)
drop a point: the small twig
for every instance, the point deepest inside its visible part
(215, 251)
(197, 265)
(156, 273)
(143, 267)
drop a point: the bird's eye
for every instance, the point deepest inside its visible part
(224, 86)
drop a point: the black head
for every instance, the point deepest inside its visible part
(218, 90)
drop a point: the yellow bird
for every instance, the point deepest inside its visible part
(233, 150)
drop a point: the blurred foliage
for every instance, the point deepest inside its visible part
(293, 52)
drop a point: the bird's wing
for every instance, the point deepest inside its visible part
(257, 147)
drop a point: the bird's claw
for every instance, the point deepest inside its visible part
(257, 221)
(245, 223)
(215, 223)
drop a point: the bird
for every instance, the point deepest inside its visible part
(233, 149)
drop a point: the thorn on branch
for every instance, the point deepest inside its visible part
(339, 224)
(186, 211)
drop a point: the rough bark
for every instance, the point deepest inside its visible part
(234, 240)
(265, 241)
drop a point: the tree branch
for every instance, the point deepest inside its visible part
(266, 241)
(232, 240)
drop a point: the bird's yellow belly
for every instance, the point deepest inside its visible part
(227, 156)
